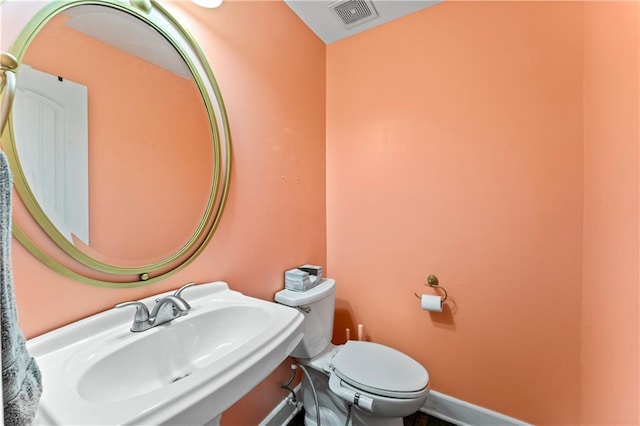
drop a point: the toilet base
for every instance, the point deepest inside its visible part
(333, 409)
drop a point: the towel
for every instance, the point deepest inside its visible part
(21, 379)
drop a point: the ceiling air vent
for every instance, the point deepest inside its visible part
(354, 12)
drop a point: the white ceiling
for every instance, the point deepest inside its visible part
(325, 23)
(127, 33)
(108, 25)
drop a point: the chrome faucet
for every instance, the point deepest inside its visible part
(166, 309)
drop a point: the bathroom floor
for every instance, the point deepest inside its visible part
(416, 419)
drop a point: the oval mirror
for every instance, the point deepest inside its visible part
(118, 141)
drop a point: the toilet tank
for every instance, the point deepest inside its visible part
(320, 303)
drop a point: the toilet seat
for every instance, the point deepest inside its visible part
(380, 370)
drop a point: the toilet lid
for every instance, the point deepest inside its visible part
(380, 370)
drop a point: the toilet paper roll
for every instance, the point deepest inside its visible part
(431, 303)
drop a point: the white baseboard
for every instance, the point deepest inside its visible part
(285, 411)
(463, 413)
(438, 405)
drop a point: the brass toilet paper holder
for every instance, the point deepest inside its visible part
(432, 281)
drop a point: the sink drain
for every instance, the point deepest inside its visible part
(175, 379)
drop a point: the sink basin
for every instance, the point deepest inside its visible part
(111, 371)
(187, 371)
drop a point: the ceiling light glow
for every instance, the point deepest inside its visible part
(208, 3)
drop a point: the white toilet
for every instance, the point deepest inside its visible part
(367, 383)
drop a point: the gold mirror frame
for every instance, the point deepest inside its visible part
(162, 21)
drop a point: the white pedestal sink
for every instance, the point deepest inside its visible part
(184, 372)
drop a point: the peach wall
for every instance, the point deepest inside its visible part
(275, 216)
(455, 140)
(454, 147)
(610, 322)
(140, 119)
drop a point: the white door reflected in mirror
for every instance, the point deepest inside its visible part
(51, 121)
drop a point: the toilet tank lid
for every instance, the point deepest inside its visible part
(299, 298)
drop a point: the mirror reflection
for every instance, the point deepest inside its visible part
(113, 136)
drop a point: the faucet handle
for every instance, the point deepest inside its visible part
(181, 289)
(142, 312)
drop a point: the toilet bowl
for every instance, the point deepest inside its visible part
(362, 382)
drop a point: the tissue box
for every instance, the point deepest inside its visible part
(300, 280)
(312, 270)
